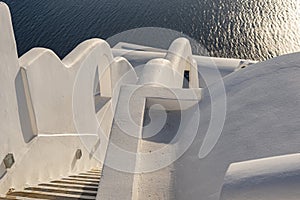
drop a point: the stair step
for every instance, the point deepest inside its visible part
(16, 198)
(7, 198)
(85, 177)
(62, 190)
(50, 195)
(75, 183)
(94, 171)
(69, 186)
(91, 174)
(81, 180)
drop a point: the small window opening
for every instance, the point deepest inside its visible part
(186, 79)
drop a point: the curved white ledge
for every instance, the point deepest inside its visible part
(273, 178)
(157, 72)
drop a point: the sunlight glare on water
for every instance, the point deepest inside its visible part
(251, 29)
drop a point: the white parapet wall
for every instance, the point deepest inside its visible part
(10, 126)
(40, 98)
(51, 83)
(208, 70)
(37, 157)
(274, 178)
(142, 54)
(180, 55)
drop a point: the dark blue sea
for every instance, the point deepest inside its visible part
(251, 29)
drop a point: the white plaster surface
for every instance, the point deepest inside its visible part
(126, 134)
(36, 108)
(51, 83)
(41, 95)
(10, 127)
(273, 178)
(262, 121)
(209, 67)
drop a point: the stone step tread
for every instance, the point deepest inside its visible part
(81, 180)
(70, 186)
(94, 171)
(62, 190)
(50, 195)
(86, 177)
(15, 198)
(91, 174)
(75, 183)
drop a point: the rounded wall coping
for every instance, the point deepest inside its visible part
(272, 178)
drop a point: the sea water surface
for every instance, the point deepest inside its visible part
(250, 29)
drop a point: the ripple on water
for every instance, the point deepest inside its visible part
(259, 29)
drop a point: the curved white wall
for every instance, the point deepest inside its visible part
(274, 178)
(158, 72)
(37, 107)
(169, 71)
(10, 127)
(51, 82)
